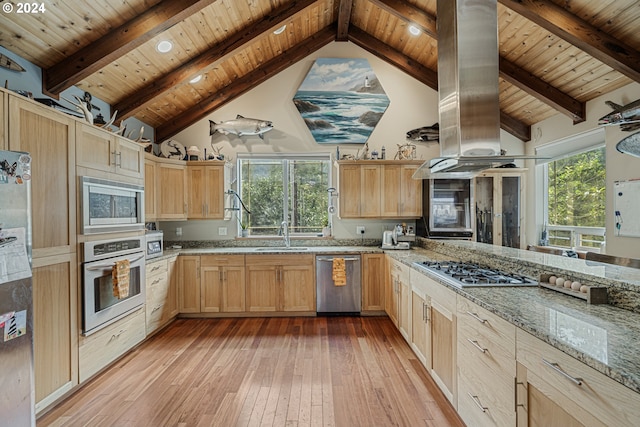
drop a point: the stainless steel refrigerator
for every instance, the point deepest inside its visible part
(17, 392)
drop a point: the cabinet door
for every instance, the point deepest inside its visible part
(196, 184)
(410, 193)
(391, 293)
(419, 328)
(149, 190)
(373, 281)
(55, 329)
(96, 148)
(171, 192)
(390, 193)
(171, 305)
(442, 347)
(214, 192)
(371, 183)
(50, 138)
(129, 158)
(211, 289)
(349, 191)
(404, 307)
(298, 287)
(233, 290)
(189, 285)
(262, 287)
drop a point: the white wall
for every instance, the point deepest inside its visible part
(619, 166)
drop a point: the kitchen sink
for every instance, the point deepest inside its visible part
(281, 249)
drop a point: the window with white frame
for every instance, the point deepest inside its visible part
(277, 188)
(574, 191)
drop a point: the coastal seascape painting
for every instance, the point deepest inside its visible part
(341, 100)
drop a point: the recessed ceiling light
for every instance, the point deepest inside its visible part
(280, 30)
(164, 46)
(414, 30)
(196, 79)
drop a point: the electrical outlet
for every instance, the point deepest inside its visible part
(222, 231)
(178, 231)
(360, 229)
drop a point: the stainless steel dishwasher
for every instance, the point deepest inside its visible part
(332, 299)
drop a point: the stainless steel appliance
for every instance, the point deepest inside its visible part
(99, 305)
(447, 209)
(153, 243)
(17, 392)
(332, 299)
(468, 274)
(111, 206)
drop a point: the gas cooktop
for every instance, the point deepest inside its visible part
(468, 274)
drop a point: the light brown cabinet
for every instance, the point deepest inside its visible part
(98, 350)
(55, 329)
(150, 204)
(554, 389)
(160, 293)
(101, 150)
(189, 284)
(373, 280)
(50, 138)
(499, 195)
(171, 190)
(420, 331)
(205, 189)
(486, 366)
(222, 288)
(399, 293)
(280, 283)
(378, 189)
(4, 123)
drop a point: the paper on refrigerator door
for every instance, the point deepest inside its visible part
(14, 262)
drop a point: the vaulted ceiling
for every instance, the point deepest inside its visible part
(555, 55)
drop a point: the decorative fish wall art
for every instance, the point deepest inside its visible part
(241, 126)
(627, 116)
(425, 133)
(10, 64)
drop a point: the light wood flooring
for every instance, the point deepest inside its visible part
(324, 371)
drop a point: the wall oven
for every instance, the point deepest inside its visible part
(111, 206)
(99, 305)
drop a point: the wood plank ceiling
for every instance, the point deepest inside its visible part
(555, 55)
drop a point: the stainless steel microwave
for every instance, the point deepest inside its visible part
(111, 206)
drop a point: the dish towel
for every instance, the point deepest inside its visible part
(339, 273)
(120, 277)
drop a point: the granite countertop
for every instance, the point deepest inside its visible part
(604, 337)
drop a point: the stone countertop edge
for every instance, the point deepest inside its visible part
(531, 308)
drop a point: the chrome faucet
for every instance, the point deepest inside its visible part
(284, 228)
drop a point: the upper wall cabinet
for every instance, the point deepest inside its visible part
(105, 151)
(50, 138)
(379, 189)
(205, 186)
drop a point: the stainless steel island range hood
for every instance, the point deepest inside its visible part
(469, 107)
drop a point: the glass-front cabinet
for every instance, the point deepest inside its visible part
(450, 205)
(499, 208)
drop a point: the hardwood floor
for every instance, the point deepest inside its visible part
(324, 371)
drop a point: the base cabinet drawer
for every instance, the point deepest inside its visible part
(98, 350)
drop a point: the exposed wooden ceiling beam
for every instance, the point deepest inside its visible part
(118, 43)
(515, 127)
(393, 57)
(581, 34)
(410, 13)
(543, 91)
(246, 82)
(129, 106)
(344, 17)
